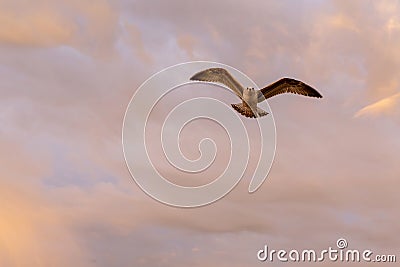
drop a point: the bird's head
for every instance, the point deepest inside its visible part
(249, 94)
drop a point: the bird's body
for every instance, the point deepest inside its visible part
(251, 97)
(248, 107)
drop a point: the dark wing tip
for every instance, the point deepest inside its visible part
(315, 93)
(312, 91)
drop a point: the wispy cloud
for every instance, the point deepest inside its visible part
(386, 106)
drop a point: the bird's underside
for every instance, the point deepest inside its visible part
(246, 111)
(250, 97)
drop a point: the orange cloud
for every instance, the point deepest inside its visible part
(39, 28)
(85, 26)
(33, 230)
(386, 106)
(343, 22)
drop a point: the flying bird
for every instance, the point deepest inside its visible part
(250, 97)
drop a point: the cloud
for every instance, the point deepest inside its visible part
(40, 27)
(69, 68)
(134, 38)
(187, 43)
(79, 24)
(33, 229)
(386, 106)
(343, 22)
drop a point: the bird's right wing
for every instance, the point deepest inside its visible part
(219, 75)
(287, 85)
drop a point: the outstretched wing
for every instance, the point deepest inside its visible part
(219, 75)
(287, 85)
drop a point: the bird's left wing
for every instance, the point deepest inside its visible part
(219, 75)
(287, 85)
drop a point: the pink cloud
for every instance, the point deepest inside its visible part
(67, 73)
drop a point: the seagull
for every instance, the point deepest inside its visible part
(250, 97)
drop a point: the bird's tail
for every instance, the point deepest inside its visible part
(246, 111)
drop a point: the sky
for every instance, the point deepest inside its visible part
(69, 68)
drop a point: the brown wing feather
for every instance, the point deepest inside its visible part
(287, 85)
(219, 75)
